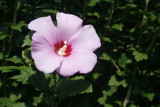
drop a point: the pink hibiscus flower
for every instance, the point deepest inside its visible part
(67, 48)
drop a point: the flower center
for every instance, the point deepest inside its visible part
(62, 48)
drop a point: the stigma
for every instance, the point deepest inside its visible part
(62, 48)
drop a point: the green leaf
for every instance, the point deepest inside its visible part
(27, 41)
(19, 26)
(96, 75)
(133, 30)
(1, 55)
(37, 100)
(15, 59)
(26, 55)
(3, 36)
(108, 105)
(123, 60)
(8, 68)
(118, 27)
(106, 94)
(107, 39)
(4, 102)
(25, 74)
(139, 56)
(113, 82)
(149, 96)
(93, 3)
(49, 11)
(3, 33)
(131, 5)
(73, 87)
(152, 16)
(77, 77)
(105, 56)
(94, 14)
(14, 98)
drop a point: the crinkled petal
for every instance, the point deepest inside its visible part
(86, 39)
(45, 27)
(83, 61)
(46, 60)
(67, 25)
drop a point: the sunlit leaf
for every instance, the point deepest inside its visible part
(3, 36)
(139, 56)
(37, 100)
(105, 56)
(106, 94)
(19, 26)
(123, 60)
(25, 74)
(149, 96)
(114, 82)
(15, 59)
(118, 27)
(106, 39)
(4, 102)
(27, 41)
(93, 3)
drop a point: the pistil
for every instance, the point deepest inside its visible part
(62, 50)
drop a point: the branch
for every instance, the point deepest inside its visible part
(14, 23)
(153, 40)
(84, 8)
(130, 1)
(144, 19)
(110, 17)
(55, 90)
(116, 66)
(126, 100)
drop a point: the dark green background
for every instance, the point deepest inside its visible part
(128, 64)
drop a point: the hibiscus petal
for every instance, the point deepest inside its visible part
(67, 68)
(45, 27)
(86, 39)
(67, 25)
(83, 62)
(46, 60)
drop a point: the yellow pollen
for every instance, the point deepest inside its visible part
(62, 50)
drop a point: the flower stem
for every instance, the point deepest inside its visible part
(55, 91)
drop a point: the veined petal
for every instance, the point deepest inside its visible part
(82, 61)
(46, 60)
(67, 25)
(86, 39)
(45, 27)
(67, 68)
